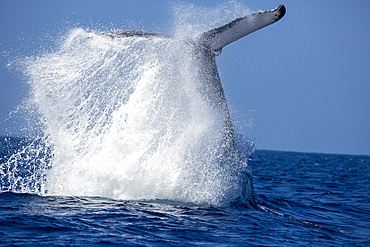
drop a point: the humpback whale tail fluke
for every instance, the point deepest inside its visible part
(219, 37)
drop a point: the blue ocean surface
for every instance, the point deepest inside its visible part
(303, 199)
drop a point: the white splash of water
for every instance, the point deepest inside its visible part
(191, 19)
(123, 118)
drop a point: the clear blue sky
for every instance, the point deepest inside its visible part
(304, 81)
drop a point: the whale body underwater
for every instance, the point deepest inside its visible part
(207, 46)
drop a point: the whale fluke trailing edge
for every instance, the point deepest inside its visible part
(219, 37)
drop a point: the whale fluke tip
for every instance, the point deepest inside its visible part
(217, 38)
(281, 10)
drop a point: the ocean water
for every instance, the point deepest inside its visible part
(130, 143)
(303, 199)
